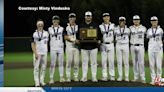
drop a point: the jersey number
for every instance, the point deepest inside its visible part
(140, 36)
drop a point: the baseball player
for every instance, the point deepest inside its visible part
(155, 49)
(89, 50)
(122, 48)
(137, 49)
(56, 48)
(107, 47)
(39, 48)
(72, 50)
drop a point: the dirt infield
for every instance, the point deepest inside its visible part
(89, 83)
(100, 84)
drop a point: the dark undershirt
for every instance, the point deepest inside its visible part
(89, 45)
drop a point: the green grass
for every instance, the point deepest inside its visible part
(27, 57)
(18, 57)
(24, 77)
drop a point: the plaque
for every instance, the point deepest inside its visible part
(88, 35)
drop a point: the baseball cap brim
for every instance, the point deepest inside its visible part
(72, 15)
(55, 18)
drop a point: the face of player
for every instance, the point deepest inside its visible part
(122, 23)
(40, 25)
(72, 19)
(106, 19)
(154, 23)
(88, 18)
(136, 22)
(55, 22)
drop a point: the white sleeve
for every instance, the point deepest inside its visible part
(161, 31)
(62, 30)
(128, 31)
(144, 29)
(34, 37)
(113, 26)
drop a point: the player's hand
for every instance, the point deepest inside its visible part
(99, 42)
(77, 42)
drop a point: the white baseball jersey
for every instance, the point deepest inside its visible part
(71, 32)
(56, 37)
(41, 39)
(122, 35)
(155, 38)
(137, 34)
(107, 31)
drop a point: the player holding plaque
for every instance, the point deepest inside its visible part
(89, 39)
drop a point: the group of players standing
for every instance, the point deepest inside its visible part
(108, 34)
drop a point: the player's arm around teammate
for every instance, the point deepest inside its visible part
(122, 48)
(56, 48)
(72, 49)
(137, 37)
(155, 49)
(107, 48)
(39, 48)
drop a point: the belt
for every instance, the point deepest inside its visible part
(108, 42)
(137, 44)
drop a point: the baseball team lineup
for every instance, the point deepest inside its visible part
(113, 40)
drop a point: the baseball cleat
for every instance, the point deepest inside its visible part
(143, 81)
(127, 79)
(84, 79)
(76, 79)
(37, 85)
(43, 83)
(152, 83)
(94, 80)
(104, 79)
(68, 80)
(135, 80)
(119, 79)
(51, 82)
(112, 78)
(62, 79)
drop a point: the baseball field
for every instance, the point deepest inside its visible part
(18, 71)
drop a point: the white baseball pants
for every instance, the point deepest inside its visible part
(107, 55)
(86, 55)
(41, 60)
(155, 60)
(122, 54)
(137, 53)
(72, 54)
(56, 55)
